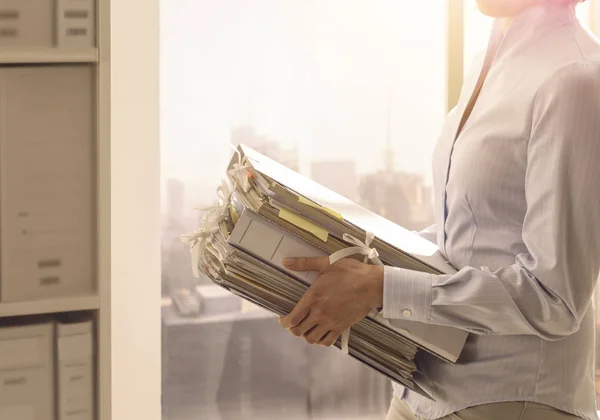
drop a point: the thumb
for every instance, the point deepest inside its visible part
(319, 264)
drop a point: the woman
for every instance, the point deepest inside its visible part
(517, 189)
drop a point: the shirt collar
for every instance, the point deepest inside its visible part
(531, 24)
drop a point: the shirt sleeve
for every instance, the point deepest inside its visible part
(548, 289)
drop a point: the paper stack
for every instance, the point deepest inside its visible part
(267, 211)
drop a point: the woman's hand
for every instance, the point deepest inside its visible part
(343, 294)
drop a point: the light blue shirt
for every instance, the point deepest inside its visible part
(517, 204)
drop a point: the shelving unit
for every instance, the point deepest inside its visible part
(125, 303)
(53, 93)
(67, 304)
(47, 55)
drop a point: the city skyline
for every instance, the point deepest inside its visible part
(201, 191)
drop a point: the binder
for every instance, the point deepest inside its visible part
(294, 193)
(26, 23)
(75, 371)
(75, 23)
(46, 182)
(27, 372)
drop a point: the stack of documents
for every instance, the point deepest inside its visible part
(267, 212)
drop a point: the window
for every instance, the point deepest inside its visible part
(354, 85)
(350, 84)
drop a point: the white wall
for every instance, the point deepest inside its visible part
(129, 211)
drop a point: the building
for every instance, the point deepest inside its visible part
(176, 262)
(247, 135)
(338, 176)
(175, 201)
(398, 196)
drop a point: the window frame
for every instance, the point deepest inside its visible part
(454, 51)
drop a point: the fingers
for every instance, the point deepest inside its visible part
(329, 339)
(298, 314)
(303, 327)
(294, 318)
(316, 334)
(319, 264)
(300, 311)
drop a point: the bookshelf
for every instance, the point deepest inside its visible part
(122, 87)
(55, 167)
(47, 56)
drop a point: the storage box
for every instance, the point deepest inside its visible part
(75, 23)
(47, 189)
(26, 23)
(26, 372)
(75, 371)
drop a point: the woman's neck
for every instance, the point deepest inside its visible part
(506, 22)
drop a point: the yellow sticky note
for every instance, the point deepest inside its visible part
(333, 213)
(304, 200)
(304, 224)
(234, 214)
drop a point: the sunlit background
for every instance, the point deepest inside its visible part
(331, 79)
(353, 83)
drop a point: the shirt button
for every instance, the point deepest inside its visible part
(406, 313)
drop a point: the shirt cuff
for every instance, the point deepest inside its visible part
(406, 294)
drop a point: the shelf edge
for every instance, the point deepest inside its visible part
(47, 56)
(59, 305)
